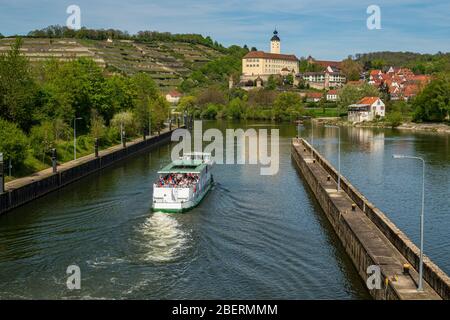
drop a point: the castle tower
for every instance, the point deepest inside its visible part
(275, 43)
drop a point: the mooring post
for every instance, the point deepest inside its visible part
(2, 177)
(170, 125)
(54, 161)
(124, 140)
(96, 147)
(178, 122)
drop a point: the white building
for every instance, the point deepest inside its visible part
(367, 109)
(332, 95)
(173, 97)
(262, 64)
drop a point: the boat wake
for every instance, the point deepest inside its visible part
(162, 238)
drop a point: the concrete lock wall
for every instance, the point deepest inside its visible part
(433, 275)
(14, 197)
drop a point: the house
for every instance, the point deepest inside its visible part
(332, 95)
(367, 109)
(173, 97)
(330, 76)
(314, 96)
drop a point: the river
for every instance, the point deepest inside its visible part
(252, 237)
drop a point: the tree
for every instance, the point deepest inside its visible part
(271, 83)
(42, 139)
(159, 112)
(187, 104)
(351, 69)
(125, 120)
(97, 125)
(350, 94)
(287, 104)
(211, 95)
(145, 93)
(13, 142)
(236, 108)
(433, 103)
(17, 87)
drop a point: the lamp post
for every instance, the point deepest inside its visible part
(400, 156)
(2, 178)
(75, 137)
(149, 124)
(339, 155)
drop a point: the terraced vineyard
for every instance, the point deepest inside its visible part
(167, 62)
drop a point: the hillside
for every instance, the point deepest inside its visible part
(167, 62)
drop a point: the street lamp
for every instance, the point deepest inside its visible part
(400, 156)
(75, 137)
(339, 155)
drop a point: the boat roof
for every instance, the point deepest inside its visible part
(184, 166)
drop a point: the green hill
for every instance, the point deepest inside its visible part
(167, 62)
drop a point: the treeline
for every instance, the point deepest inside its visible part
(262, 104)
(38, 107)
(57, 31)
(418, 63)
(217, 71)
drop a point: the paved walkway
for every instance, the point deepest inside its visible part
(20, 182)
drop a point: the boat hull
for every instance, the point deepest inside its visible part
(178, 207)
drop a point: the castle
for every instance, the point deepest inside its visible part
(258, 66)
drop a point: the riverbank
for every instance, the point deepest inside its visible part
(424, 127)
(368, 236)
(26, 189)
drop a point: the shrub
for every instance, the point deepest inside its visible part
(13, 142)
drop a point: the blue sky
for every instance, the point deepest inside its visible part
(325, 29)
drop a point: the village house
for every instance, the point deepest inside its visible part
(173, 97)
(332, 95)
(367, 109)
(329, 77)
(314, 96)
(400, 83)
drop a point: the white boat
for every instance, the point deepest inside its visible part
(183, 184)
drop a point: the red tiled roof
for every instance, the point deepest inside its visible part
(332, 92)
(410, 90)
(266, 55)
(314, 94)
(368, 100)
(174, 93)
(326, 63)
(375, 72)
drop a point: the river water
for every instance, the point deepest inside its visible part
(252, 237)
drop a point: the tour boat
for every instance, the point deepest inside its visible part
(183, 184)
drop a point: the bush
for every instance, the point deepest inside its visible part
(13, 142)
(395, 118)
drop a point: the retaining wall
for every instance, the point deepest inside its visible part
(18, 193)
(433, 275)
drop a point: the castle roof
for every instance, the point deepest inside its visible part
(266, 55)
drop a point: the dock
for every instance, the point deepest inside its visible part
(368, 236)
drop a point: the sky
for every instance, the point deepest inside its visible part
(324, 29)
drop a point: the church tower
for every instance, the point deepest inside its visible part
(275, 43)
